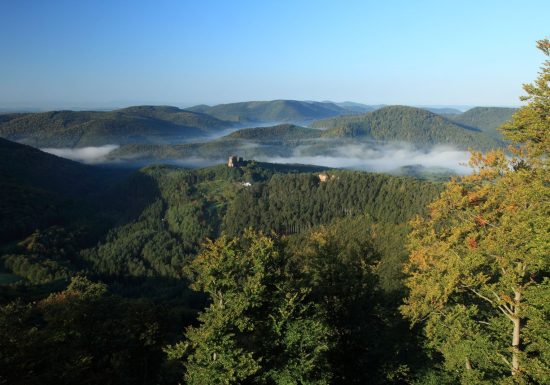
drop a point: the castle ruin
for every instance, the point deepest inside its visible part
(235, 161)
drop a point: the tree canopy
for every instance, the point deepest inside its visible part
(479, 264)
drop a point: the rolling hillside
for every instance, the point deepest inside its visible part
(38, 189)
(280, 132)
(487, 119)
(156, 124)
(275, 111)
(406, 124)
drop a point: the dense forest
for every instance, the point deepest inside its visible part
(139, 124)
(273, 111)
(408, 124)
(280, 132)
(262, 273)
(136, 239)
(487, 119)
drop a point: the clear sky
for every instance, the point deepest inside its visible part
(81, 53)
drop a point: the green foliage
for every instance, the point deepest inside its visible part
(324, 305)
(290, 203)
(408, 124)
(38, 190)
(530, 124)
(483, 248)
(487, 119)
(80, 333)
(276, 133)
(478, 269)
(93, 128)
(338, 265)
(347, 271)
(260, 325)
(272, 111)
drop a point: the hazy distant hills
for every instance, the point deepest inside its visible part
(406, 124)
(442, 110)
(487, 119)
(418, 128)
(275, 111)
(357, 107)
(148, 134)
(274, 141)
(156, 124)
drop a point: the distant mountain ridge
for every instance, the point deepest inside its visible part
(274, 111)
(442, 110)
(406, 124)
(141, 126)
(417, 127)
(357, 107)
(95, 128)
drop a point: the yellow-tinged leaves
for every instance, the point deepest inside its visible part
(484, 245)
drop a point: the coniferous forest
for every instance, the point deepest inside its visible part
(259, 272)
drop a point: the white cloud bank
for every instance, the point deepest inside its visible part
(359, 156)
(89, 155)
(380, 158)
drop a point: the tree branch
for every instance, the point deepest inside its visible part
(504, 359)
(480, 295)
(505, 312)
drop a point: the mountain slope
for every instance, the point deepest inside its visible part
(251, 143)
(487, 119)
(272, 111)
(139, 124)
(38, 189)
(280, 132)
(27, 166)
(406, 124)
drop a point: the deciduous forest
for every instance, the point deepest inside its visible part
(265, 273)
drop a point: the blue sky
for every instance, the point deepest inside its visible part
(60, 54)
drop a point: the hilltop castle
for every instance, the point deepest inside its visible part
(235, 161)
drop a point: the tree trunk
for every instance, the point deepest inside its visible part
(516, 334)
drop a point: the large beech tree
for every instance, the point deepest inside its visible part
(260, 326)
(479, 266)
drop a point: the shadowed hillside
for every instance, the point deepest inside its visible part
(158, 124)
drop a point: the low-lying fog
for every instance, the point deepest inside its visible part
(380, 157)
(366, 156)
(88, 155)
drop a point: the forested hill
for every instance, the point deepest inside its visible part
(272, 111)
(26, 165)
(39, 190)
(141, 302)
(160, 215)
(157, 124)
(406, 124)
(280, 132)
(488, 119)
